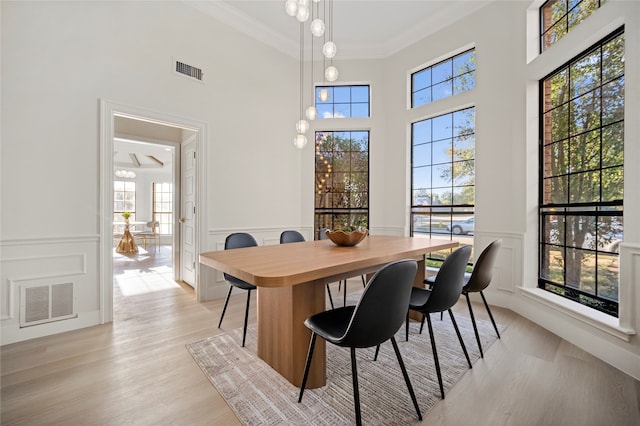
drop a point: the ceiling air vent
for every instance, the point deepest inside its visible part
(189, 70)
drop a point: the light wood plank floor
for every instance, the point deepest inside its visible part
(136, 371)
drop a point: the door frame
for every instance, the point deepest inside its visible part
(108, 110)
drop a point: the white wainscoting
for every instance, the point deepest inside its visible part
(45, 262)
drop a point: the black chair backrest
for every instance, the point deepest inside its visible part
(449, 281)
(483, 269)
(291, 237)
(383, 306)
(238, 240)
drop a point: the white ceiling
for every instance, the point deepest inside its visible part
(144, 146)
(361, 28)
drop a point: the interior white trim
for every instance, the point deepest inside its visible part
(584, 314)
(109, 109)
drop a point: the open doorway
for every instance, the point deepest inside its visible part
(144, 155)
(143, 142)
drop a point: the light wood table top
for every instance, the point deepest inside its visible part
(291, 282)
(283, 265)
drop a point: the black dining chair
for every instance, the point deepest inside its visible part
(291, 236)
(477, 281)
(441, 297)
(374, 320)
(234, 241)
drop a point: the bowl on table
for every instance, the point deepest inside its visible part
(346, 238)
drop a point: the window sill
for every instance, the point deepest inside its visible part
(582, 313)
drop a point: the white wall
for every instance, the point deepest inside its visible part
(59, 59)
(256, 181)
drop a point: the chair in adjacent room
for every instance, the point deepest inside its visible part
(292, 236)
(441, 297)
(375, 319)
(234, 241)
(153, 232)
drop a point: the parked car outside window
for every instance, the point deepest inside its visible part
(458, 227)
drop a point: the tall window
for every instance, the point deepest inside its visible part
(124, 199)
(558, 17)
(581, 182)
(343, 101)
(447, 78)
(163, 206)
(342, 179)
(443, 177)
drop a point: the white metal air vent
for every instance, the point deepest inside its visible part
(188, 70)
(46, 303)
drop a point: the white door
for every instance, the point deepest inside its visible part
(188, 231)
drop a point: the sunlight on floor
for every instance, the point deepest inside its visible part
(144, 272)
(136, 283)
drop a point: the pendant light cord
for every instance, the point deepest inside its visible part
(301, 64)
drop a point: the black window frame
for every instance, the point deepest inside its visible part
(329, 211)
(436, 216)
(563, 20)
(350, 103)
(450, 79)
(558, 221)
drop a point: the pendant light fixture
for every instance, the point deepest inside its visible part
(302, 10)
(302, 125)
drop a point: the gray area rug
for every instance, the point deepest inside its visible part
(258, 395)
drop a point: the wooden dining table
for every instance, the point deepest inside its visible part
(291, 281)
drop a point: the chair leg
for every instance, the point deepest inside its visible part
(464, 348)
(406, 376)
(475, 327)
(330, 298)
(364, 281)
(344, 303)
(356, 391)
(486, 305)
(435, 355)
(375, 357)
(312, 344)
(406, 328)
(246, 317)
(226, 302)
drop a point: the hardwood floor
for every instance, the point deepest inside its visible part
(137, 370)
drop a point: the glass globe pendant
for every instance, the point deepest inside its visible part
(302, 126)
(300, 141)
(323, 95)
(291, 7)
(311, 112)
(303, 13)
(329, 50)
(331, 73)
(317, 27)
